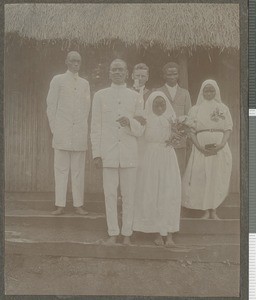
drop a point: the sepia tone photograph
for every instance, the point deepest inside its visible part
(122, 149)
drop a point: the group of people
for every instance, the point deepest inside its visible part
(134, 142)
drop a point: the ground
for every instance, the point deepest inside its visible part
(48, 275)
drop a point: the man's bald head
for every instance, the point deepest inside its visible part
(119, 61)
(118, 71)
(73, 54)
(73, 61)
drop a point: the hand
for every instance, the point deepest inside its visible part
(210, 152)
(207, 152)
(141, 120)
(219, 147)
(97, 162)
(174, 140)
(124, 121)
(176, 136)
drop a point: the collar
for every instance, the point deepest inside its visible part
(141, 88)
(73, 75)
(171, 87)
(118, 86)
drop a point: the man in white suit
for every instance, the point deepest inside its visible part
(114, 133)
(68, 106)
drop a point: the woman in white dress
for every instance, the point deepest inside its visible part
(205, 184)
(158, 192)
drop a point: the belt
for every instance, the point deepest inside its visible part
(211, 130)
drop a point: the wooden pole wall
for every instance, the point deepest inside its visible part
(28, 151)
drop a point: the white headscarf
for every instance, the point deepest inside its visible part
(217, 97)
(169, 112)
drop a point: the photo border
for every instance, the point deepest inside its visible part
(244, 157)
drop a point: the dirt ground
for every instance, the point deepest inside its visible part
(45, 275)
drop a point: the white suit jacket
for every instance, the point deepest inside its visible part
(116, 145)
(68, 106)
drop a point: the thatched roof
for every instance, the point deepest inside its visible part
(173, 26)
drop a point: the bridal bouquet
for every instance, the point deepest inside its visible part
(180, 128)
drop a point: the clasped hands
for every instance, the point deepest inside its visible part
(212, 151)
(124, 121)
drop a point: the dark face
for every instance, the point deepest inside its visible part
(171, 76)
(209, 92)
(159, 106)
(73, 62)
(118, 72)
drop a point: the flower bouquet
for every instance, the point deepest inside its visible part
(180, 129)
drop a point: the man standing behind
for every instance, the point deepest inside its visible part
(140, 76)
(181, 103)
(114, 134)
(68, 106)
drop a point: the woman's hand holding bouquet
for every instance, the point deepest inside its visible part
(180, 129)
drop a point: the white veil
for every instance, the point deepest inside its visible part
(169, 112)
(217, 97)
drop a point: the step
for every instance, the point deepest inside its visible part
(214, 253)
(97, 221)
(66, 233)
(233, 199)
(48, 196)
(73, 241)
(224, 212)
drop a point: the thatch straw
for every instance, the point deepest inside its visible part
(173, 26)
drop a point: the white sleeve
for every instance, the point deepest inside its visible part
(96, 126)
(52, 102)
(135, 128)
(139, 107)
(88, 100)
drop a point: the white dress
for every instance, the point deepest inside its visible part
(158, 192)
(205, 183)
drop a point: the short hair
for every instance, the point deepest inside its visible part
(119, 60)
(141, 66)
(170, 65)
(71, 53)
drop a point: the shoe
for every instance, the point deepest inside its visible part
(159, 241)
(214, 215)
(81, 211)
(127, 241)
(169, 242)
(58, 211)
(111, 241)
(206, 215)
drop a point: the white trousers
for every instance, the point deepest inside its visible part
(127, 177)
(63, 162)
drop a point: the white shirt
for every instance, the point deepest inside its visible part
(116, 145)
(140, 90)
(172, 90)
